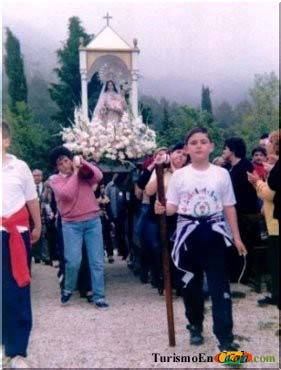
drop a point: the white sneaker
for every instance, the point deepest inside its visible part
(4, 359)
(5, 362)
(19, 362)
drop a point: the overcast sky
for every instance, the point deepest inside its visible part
(183, 44)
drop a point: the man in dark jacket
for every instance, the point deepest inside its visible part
(247, 205)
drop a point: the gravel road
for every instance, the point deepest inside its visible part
(134, 327)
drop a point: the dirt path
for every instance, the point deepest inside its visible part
(134, 327)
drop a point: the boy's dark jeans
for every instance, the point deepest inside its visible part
(207, 252)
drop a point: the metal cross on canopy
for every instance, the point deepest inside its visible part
(107, 17)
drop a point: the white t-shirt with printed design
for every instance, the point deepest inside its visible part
(200, 193)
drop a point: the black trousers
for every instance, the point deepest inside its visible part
(84, 283)
(16, 304)
(207, 252)
(106, 233)
(51, 236)
(60, 249)
(249, 228)
(40, 250)
(121, 235)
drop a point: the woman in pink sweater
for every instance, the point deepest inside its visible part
(80, 214)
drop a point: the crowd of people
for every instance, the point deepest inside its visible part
(216, 212)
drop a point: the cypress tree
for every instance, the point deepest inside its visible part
(14, 67)
(206, 104)
(67, 92)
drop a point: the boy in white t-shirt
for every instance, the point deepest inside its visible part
(200, 193)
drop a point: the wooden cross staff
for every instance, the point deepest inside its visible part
(166, 260)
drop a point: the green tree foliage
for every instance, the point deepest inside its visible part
(151, 111)
(263, 114)
(249, 119)
(31, 142)
(206, 104)
(172, 121)
(39, 100)
(183, 120)
(224, 115)
(146, 112)
(168, 110)
(17, 88)
(242, 109)
(5, 95)
(67, 92)
(156, 113)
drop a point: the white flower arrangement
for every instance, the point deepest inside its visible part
(95, 140)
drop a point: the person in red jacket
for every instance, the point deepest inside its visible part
(258, 160)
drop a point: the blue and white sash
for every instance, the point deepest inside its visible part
(185, 226)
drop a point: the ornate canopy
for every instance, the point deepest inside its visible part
(109, 55)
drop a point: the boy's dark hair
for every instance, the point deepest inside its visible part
(59, 151)
(237, 146)
(264, 136)
(259, 149)
(197, 130)
(177, 146)
(6, 131)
